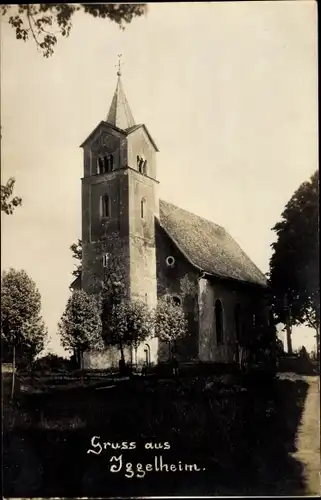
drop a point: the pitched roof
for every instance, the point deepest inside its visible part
(119, 113)
(208, 246)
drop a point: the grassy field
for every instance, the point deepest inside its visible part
(240, 433)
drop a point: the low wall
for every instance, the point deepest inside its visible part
(109, 358)
(100, 360)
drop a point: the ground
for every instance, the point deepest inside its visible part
(252, 437)
(308, 435)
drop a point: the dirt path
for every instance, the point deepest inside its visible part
(308, 436)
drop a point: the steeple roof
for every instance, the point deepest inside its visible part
(119, 114)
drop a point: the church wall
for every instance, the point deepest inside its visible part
(85, 211)
(104, 235)
(230, 293)
(87, 160)
(138, 143)
(142, 249)
(181, 281)
(206, 321)
(92, 268)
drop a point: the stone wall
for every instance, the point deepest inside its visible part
(103, 360)
(179, 280)
(138, 143)
(249, 299)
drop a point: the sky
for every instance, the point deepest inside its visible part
(228, 91)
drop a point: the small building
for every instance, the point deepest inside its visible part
(164, 249)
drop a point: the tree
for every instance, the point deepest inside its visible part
(76, 249)
(130, 323)
(294, 265)
(34, 342)
(45, 22)
(80, 324)
(170, 321)
(9, 203)
(21, 324)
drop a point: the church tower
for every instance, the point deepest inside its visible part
(119, 205)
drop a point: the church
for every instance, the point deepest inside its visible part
(165, 250)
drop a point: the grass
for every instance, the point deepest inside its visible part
(241, 433)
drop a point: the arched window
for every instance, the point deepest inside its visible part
(143, 208)
(140, 164)
(104, 161)
(105, 206)
(145, 167)
(219, 321)
(105, 259)
(100, 165)
(237, 321)
(110, 163)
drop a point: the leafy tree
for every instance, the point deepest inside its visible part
(34, 342)
(80, 324)
(170, 321)
(21, 324)
(131, 322)
(76, 249)
(294, 265)
(45, 22)
(8, 202)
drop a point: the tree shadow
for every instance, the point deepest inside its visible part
(242, 438)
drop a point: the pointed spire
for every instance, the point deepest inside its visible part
(119, 113)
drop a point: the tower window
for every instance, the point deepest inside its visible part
(100, 165)
(105, 206)
(105, 164)
(143, 208)
(145, 167)
(105, 259)
(219, 321)
(140, 164)
(110, 163)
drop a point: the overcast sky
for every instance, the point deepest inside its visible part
(227, 90)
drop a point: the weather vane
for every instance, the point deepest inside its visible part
(119, 65)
